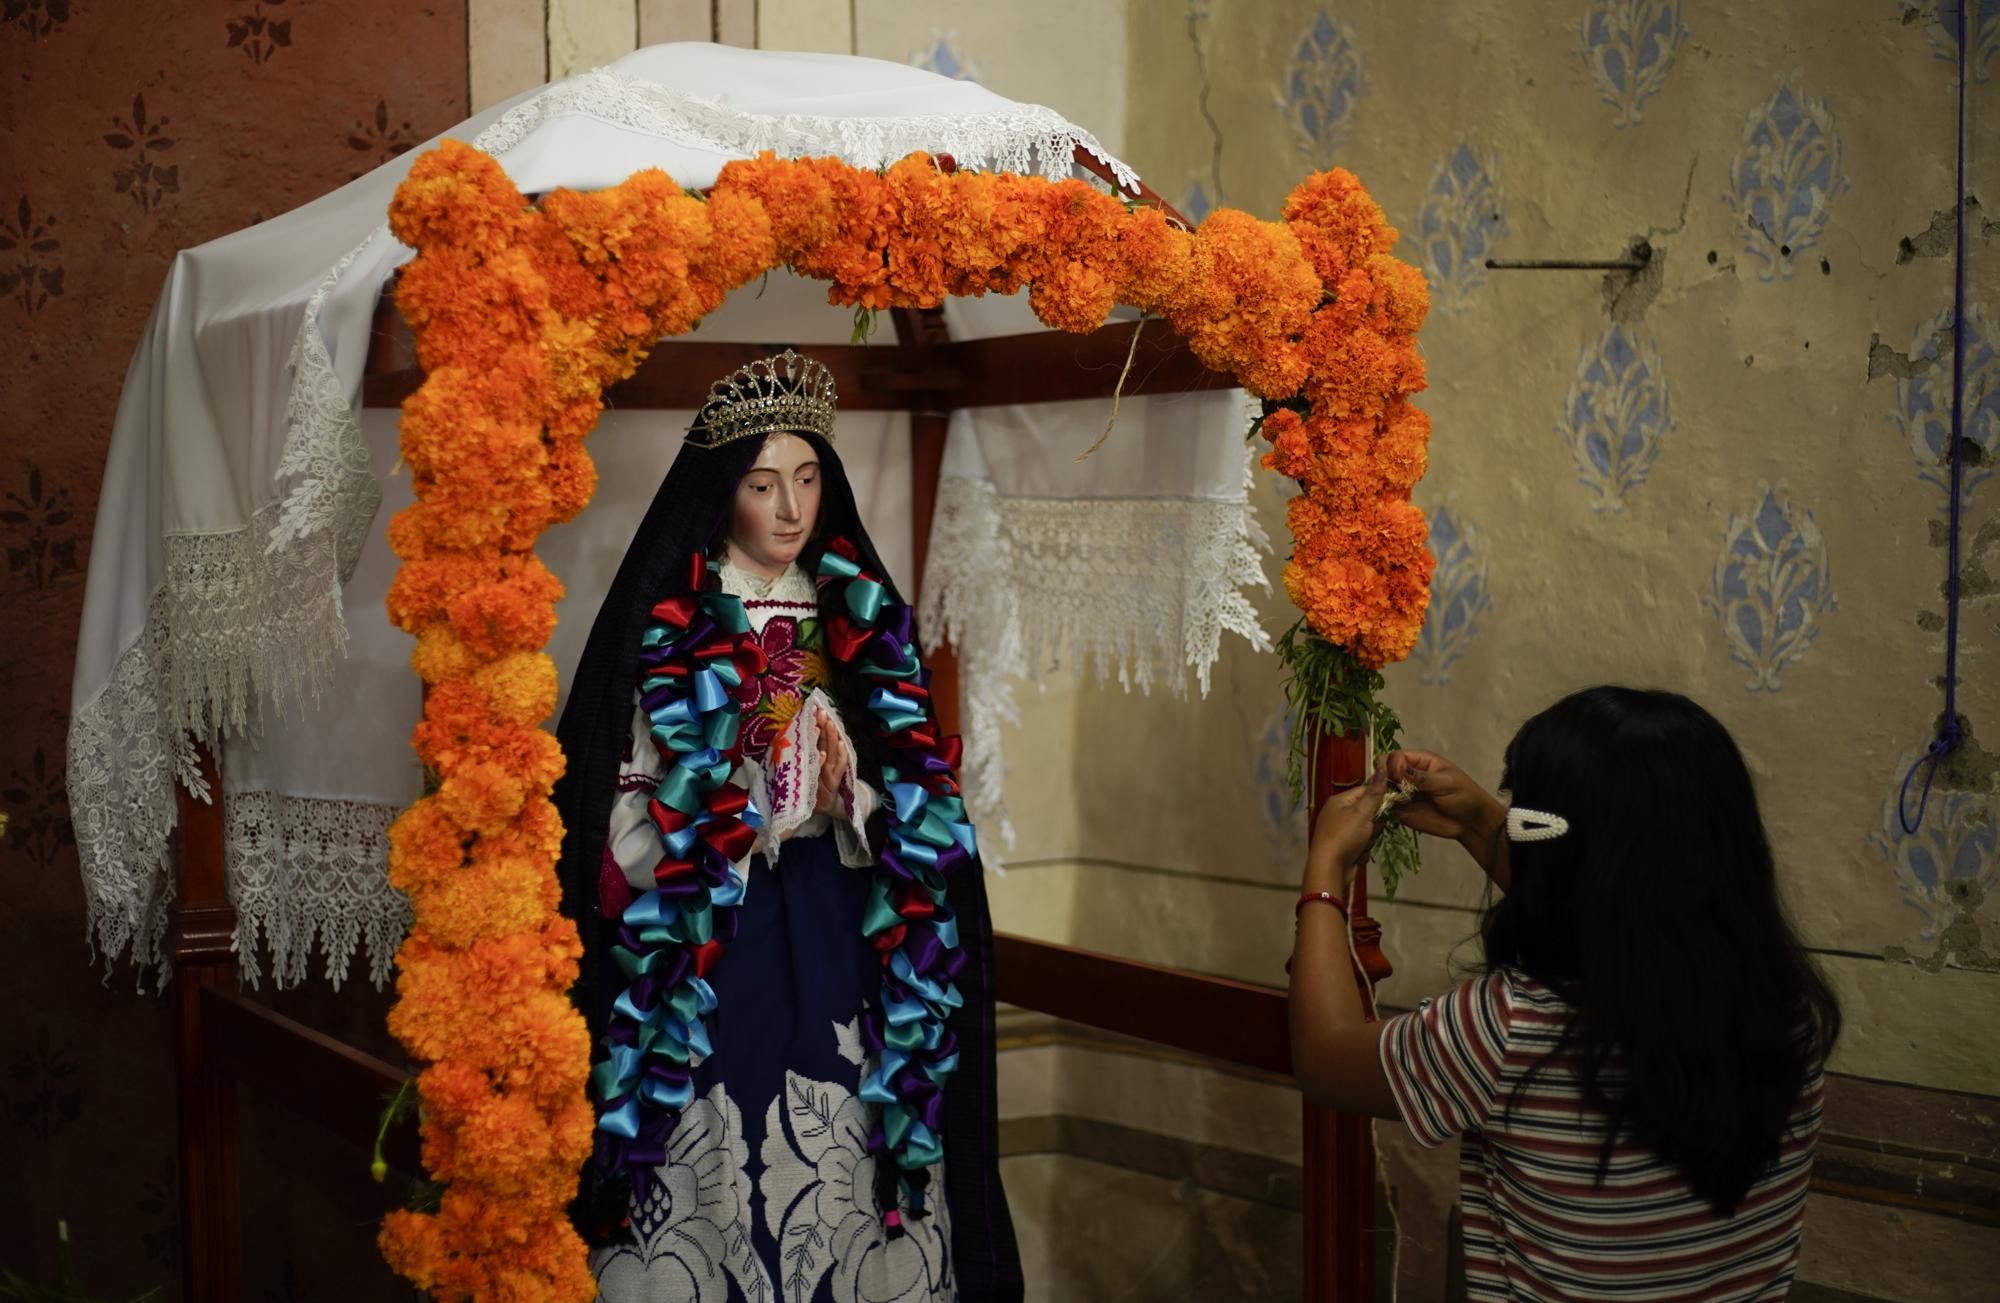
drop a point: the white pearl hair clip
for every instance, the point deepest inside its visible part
(1525, 825)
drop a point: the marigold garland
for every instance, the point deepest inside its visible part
(524, 315)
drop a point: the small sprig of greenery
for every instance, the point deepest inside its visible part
(864, 325)
(425, 1195)
(1328, 691)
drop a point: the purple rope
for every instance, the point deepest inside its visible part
(1949, 734)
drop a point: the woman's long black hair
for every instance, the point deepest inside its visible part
(1657, 918)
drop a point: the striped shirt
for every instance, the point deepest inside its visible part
(1536, 1224)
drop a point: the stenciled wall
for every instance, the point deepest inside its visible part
(133, 132)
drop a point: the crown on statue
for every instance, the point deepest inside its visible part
(786, 392)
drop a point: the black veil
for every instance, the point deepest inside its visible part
(688, 516)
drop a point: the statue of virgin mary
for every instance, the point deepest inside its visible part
(787, 960)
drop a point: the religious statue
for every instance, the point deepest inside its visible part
(787, 960)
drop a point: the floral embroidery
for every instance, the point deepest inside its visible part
(771, 699)
(692, 1234)
(816, 1163)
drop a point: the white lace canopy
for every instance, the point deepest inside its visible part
(238, 560)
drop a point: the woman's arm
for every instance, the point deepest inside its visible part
(1449, 804)
(1334, 1054)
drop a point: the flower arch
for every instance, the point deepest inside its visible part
(524, 314)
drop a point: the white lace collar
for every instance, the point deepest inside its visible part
(794, 585)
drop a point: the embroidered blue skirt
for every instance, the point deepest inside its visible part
(767, 1194)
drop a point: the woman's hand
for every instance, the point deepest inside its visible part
(1449, 804)
(832, 765)
(1342, 834)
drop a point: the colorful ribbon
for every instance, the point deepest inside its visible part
(696, 649)
(907, 916)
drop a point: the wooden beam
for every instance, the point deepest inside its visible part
(318, 1077)
(1145, 193)
(925, 372)
(1050, 366)
(675, 376)
(1213, 1016)
(204, 961)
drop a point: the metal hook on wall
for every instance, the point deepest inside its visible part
(1636, 259)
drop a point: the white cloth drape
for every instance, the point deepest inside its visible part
(1135, 561)
(239, 560)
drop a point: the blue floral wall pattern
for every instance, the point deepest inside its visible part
(1947, 868)
(1321, 85)
(945, 57)
(1628, 47)
(1284, 822)
(1784, 177)
(1771, 587)
(1616, 415)
(1943, 31)
(1457, 222)
(1923, 404)
(1459, 596)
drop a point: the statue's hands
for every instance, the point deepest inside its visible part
(832, 765)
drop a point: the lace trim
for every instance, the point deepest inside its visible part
(124, 756)
(793, 587)
(336, 488)
(1140, 585)
(304, 871)
(1025, 138)
(247, 621)
(249, 618)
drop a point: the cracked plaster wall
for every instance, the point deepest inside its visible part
(1745, 384)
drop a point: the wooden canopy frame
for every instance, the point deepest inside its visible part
(225, 1039)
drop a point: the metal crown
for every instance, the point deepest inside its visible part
(786, 392)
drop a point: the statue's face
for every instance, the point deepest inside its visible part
(777, 505)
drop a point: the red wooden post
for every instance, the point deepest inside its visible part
(1339, 1177)
(204, 956)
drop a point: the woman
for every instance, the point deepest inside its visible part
(1637, 1076)
(786, 969)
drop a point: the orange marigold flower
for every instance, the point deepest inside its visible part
(516, 611)
(1249, 299)
(1336, 206)
(426, 586)
(1405, 294)
(521, 687)
(425, 847)
(482, 797)
(498, 893)
(1155, 260)
(440, 654)
(1402, 451)
(743, 246)
(798, 198)
(455, 194)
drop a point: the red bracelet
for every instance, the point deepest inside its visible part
(1327, 896)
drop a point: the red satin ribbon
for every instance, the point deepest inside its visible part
(912, 902)
(677, 611)
(845, 638)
